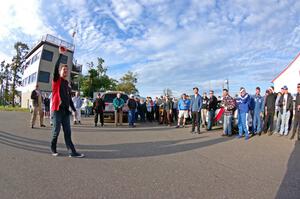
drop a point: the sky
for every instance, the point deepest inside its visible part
(175, 44)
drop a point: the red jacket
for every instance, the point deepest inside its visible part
(56, 94)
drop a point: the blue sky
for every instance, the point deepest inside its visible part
(176, 44)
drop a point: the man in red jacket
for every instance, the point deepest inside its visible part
(61, 102)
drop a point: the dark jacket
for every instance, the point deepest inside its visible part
(142, 107)
(131, 103)
(297, 103)
(35, 98)
(270, 103)
(204, 102)
(289, 103)
(212, 103)
(168, 105)
(99, 105)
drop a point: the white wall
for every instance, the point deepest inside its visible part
(290, 78)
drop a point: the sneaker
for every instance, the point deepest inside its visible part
(75, 122)
(177, 126)
(55, 154)
(95, 125)
(239, 136)
(43, 125)
(79, 122)
(32, 126)
(76, 155)
(247, 137)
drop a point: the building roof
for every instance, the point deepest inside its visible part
(51, 40)
(286, 68)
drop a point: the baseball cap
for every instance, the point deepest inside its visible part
(285, 88)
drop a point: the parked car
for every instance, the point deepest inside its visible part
(109, 112)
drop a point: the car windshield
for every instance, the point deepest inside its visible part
(110, 97)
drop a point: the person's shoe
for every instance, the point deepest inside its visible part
(43, 125)
(51, 124)
(247, 137)
(76, 155)
(177, 126)
(75, 122)
(239, 136)
(269, 133)
(183, 126)
(291, 137)
(32, 126)
(102, 125)
(192, 131)
(224, 135)
(79, 122)
(198, 132)
(55, 154)
(95, 124)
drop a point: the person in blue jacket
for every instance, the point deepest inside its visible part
(243, 102)
(258, 112)
(195, 107)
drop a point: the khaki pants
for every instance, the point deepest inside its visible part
(118, 117)
(37, 110)
(203, 116)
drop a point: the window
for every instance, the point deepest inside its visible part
(47, 55)
(44, 76)
(64, 59)
(33, 77)
(36, 57)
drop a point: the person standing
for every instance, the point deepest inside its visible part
(99, 107)
(37, 100)
(131, 103)
(174, 111)
(77, 103)
(258, 112)
(277, 112)
(196, 104)
(269, 111)
(61, 102)
(183, 108)
(86, 107)
(229, 106)
(204, 110)
(167, 104)
(212, 107)
(296, 128)
(286, 106)
(243, 102)
(118, 103)
(47, 105)
(142, 109)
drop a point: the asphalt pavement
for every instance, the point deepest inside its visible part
(149, 161)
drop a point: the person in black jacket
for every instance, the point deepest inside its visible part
(297, 115)
(132, 105)
(269, 111)
(212, 107)
(286, 107)
(99, 107)
(204, 109)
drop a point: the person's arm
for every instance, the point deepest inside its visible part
(33, 95)
(56, 68)
(72, 105)
(200, 104)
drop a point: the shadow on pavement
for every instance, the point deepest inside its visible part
(114, 151)
(290, 185)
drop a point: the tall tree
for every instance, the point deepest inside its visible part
(5, 78)
(128, 83)
(16, 67)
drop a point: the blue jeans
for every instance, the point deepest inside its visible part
(227, 124)
(211, 117)
(87, 112)
(278, 121)
(256, 122)
(131, 117)
(242, 124)
(285, 116)
(62, 118)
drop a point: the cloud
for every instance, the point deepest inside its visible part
(169, 44)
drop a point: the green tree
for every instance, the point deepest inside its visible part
(127, 83)
(5, 78)
(16, 68)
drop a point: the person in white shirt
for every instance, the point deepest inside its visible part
(77, 103)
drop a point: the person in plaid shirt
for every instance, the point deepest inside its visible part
(229, 106)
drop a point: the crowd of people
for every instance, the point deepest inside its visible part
(261, 110)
